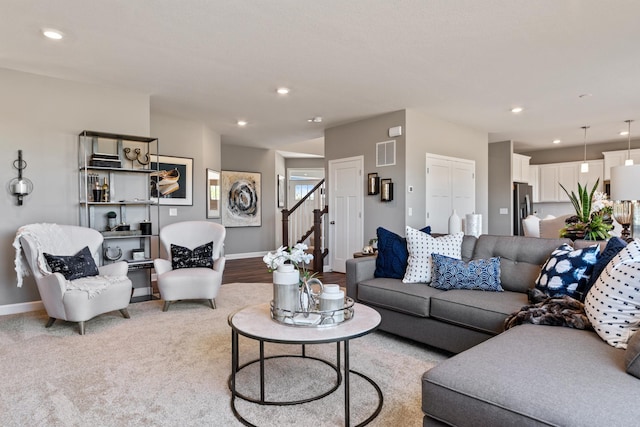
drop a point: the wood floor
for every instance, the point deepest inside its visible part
(253, 270)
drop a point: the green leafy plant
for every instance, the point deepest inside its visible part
(582, 202)
(588, 223)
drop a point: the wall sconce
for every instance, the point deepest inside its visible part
(386, 190)
(373, 184)
(20, 186)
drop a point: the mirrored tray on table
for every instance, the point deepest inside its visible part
(315, 318)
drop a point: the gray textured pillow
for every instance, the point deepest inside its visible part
(632, 355)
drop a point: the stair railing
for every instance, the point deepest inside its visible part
(319, 252)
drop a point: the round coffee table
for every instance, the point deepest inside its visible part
(255, 322)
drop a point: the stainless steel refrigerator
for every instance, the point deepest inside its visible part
(522, 205)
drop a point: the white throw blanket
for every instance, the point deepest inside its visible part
(93, 285)
(50, 238)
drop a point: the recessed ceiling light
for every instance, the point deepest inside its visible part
(517, 110)
(283, 91)
(316, 119)
(624, 133)
(557, 141)
(52, 34)
(242, 122)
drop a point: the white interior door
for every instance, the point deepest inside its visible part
(463, 188)
(346, 189)
(450, 184)
(438, 194)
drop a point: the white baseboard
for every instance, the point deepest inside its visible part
(246, 255)
(22, 307)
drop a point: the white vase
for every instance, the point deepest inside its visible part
(473, 225)
(455, 223)
(286, 291)
(332, 304)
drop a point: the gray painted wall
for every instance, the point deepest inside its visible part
(184, 138)
(421, 134)
(427, 134)
(241, 240)
(500, 193)
(558, 154)
(305, 163)
(43, 117)
(360, 138)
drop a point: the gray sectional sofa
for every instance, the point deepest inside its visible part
(528, 375)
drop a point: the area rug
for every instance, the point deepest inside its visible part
(171, 369)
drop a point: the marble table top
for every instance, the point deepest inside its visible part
(255, 322)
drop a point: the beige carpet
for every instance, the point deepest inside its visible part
(171, 369)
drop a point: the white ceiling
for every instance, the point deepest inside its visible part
(467, 61)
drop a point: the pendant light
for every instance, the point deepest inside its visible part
(629, 161)
(584, 167)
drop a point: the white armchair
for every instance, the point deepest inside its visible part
(76, 300)
(193, 282)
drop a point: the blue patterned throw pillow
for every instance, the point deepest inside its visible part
(566, 270)
(391, 261)
(614, 245)
(73, 267)
(478, 274)
(182, 257)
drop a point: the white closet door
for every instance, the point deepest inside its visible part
(438, 194)
(450, 184)
(463, 188)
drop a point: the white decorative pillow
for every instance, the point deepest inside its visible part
(420, 247)
(613, 303)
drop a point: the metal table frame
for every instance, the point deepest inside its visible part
(262, 400)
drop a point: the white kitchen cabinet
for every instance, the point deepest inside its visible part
(548, 179)
(588, 179)
(617, 158)
(568, 177)
(551, 175)
(520, 168)
(534, 181)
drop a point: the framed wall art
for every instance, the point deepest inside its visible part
(172, 180)
(281, 192)
(213, 194)
(241, 199)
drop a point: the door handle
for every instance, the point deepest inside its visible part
(332, 222)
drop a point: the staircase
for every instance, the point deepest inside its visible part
(294, 223)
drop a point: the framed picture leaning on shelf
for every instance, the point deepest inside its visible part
(213, 194)
(241, 199)
(172, 180)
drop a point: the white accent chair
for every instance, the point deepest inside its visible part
(531, 226)
(550, 226)
(190, 283)
(74, 305)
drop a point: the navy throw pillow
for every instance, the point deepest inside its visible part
(478, 274)
(391, 261)
(614, 245)
(567, 269)
(182, 257)
(73, 267)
